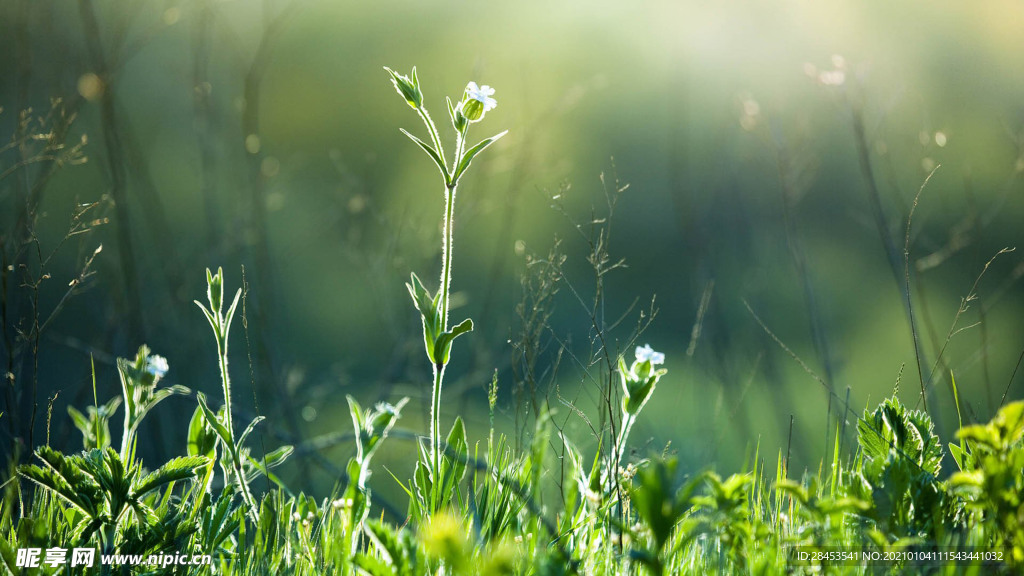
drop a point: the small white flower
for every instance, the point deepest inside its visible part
(157, 366)
(647, 353)
(482, 94)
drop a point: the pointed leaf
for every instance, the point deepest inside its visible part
(177, 469)
(202, 440)
(212, 420)
(248, 429)
(443, 345)
(231, 313)
(430, 152)
(467, 158)
(457, 450)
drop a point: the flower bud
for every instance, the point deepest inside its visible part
(472, 109)
(639, 380)
(476, 102)
(408, 88)
(215, 289)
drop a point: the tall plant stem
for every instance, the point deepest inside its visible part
(435, 138)
(439, 365)
(435, 420)
(222, 353)
(446, 256)
(236, 459)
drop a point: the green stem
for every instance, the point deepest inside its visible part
(460, 148)
(222, 352)
(126, 436)
(447, 249)
(620, 443)
(447, 246)
(236, 462)
(446, 277)
(435, 422)
(434, 136)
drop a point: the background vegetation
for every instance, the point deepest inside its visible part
(770, 182)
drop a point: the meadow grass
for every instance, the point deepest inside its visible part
(542, 505)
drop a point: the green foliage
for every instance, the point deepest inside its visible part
(991, 477)
(102, 490)
(901, 459)
(95, 423)
(545, 509)
(437, 476)
(660, 504)
(139, 379)
(238, 467)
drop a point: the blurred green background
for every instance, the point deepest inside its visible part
(265, 134)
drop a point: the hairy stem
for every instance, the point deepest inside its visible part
(439, 365)
(435, 138)
(222, 353)
(446, 256)
(435, 420)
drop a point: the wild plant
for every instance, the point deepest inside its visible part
(436, 477)
(899, 464)
(238, 466)
(108, 496)
(38, 148)
(371, 428)
(990, 458)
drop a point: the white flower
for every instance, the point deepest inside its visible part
(157, 366)
(647, 353)
(482, 94)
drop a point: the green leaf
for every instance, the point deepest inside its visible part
(231, 313)
(371, 566)
(209, 317)
(272, 460)
(432, 153)
(794, 489)
(467, 158)
(456, 452)
(81, 422)
(356, 412)
(49, 479)
(66, 477)
(248, 429)
(427, 306)
(957, 453)
(212, 420)
(277, 457)
(202, 440)
(443, 345)
(459, 121)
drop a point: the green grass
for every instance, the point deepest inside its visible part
(489, 506)
(642, 518)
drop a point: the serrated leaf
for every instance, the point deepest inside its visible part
(176, 469)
